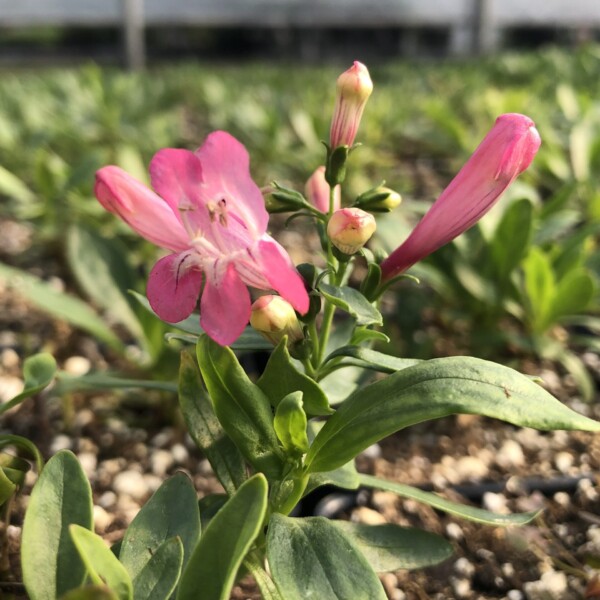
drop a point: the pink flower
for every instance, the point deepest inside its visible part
(505, 152)
(354, 86)
(317, 191)
(210, 214)
(349, 229)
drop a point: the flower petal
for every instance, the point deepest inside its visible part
(144, 211)
(172, 289)
(279, 271)
(224, 306)
(176, 176)
(226, 173)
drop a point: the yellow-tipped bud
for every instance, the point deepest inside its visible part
(379, 199)
(274, 318)
(349, 229)
(354, 87)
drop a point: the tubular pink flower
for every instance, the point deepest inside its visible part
(210, 214)
(317, 191)
(354, 86)
(505, 152)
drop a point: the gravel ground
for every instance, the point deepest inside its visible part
(128, 443)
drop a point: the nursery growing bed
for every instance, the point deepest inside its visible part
(129, 442)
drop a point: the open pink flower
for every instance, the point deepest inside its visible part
(505, 152)
(210, 214)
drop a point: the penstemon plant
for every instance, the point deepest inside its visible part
(300, 425)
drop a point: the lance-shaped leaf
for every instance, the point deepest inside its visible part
(171, 511)
(434, 389)
(102, 565)
(61, 497)
(281, 378)
(352, 302)
(389, 547)
(241, 406)
(38, 372)
(158, 578)
(211, 572)
(371, 359)
(471, 513)
(312, 558)
(205, 429)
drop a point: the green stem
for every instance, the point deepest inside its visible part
(328, 315)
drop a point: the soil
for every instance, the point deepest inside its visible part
(129, 442)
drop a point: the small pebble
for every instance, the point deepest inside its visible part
(495, 502)
(464, 567)
(180, 453)
(384, 500)
(131, 483)
(13, 532)
(162, 439)
(10, 386)
(471, 467)
(515, 595)
(102, 519)
(77, 365)
(372, 452)
(454, 531)
(508, 570)
(368, 516)
(88, 462)
(60, 442)
(107, 500)
(461, 587)
(9, 359)
(160, 462)
(551, 586)
(510, 455)
(564, 462)
(562, 499)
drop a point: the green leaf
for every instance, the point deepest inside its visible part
(58, 304)
(103, 567)
(439, 503)
(312, 558)
(159, 576)
(281, 378)
(512, 238)
(338, 385)
(391, 547)
(106, 381)
(266, 585)
(38, 372)
(14, 468)
(101, 268)
(540, 287)
(573, 295)
(26, 445)
(210, 505)
(7, 487)
(434, 389)
(61, 497)
(372, 359)
(172, 511)
(241, 407)
(14, 188)
(290, 424)
(362, 334)
(211, 572)
(90, 592)
(204, 427)
(353, 302)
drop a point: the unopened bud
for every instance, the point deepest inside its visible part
(349, 229)
(379, 199)
(317, 191)
(274, 318)
(281, 199)
(354, 87)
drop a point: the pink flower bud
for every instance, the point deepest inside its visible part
(354, 87)
(349, 229)
(505, 152)
(317, 191)
(274, 318)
